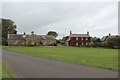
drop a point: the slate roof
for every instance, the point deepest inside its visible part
(80, 35)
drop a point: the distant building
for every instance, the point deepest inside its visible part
(78, 39)
(30, 40)
(104, 38)
(0, 41)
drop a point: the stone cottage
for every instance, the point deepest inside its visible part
(30, 40)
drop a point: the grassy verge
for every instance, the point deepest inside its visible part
(97, 57)
(6, 73)
(0, 71)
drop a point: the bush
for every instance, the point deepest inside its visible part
(98, 44)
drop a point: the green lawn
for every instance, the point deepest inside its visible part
(6, 73)
(0, 62)
(97, 57)
(0, 70)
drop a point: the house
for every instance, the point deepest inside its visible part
(0, 41)
(104, 38)
(111, 41)
(30, 40)
(78, 39)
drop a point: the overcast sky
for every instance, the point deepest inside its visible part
(99, 18)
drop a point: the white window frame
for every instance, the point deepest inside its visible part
(24, 35)
(76, 38)
(76, 43)
(82, 38)
(86, 43)
(32, 43)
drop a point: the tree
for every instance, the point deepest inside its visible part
(8, 26)
(58, 41)
(52, 33)
(65, 38)
(112, 42)
(96, 42)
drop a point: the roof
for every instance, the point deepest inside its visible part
(46, 37)
(111, 36)
(21, 36)
(79, 35)
(104, 38)
(17, 36)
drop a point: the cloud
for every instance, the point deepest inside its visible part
(100, 18)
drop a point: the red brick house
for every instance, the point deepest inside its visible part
(78, 39)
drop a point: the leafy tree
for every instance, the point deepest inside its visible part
(65, 38)
(52, 33)
(58, 41)
(8, 26)
(112, 42)
(96, 42)
(95, 39)
(91, 44)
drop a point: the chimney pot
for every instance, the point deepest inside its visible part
(87, 33)
(109, 34)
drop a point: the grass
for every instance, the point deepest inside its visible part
(0, 70)
(0, 62)
(96, 57)
(6, 73)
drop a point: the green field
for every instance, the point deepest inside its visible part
(6, 73)
(96, 57)
(0, 70)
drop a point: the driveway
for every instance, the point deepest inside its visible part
(32, 67)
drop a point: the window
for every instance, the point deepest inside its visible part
(86, 43)
(82, 44)
(76, 38)
(15, 42)
(32, 43)
(82, 38)
(24, 35)
(76, 43)
(86, 38)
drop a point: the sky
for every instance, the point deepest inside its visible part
(99, 18)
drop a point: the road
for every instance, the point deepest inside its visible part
(32, 67)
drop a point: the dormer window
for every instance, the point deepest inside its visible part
(24, 35)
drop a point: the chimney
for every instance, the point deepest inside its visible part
(87, 33)
(32, 33)
(109, 34)
(24, 35)
(70, 32)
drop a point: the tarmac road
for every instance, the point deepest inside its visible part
(32, 67)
